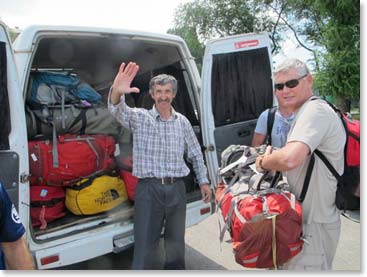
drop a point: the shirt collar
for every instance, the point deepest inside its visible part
(157, 115)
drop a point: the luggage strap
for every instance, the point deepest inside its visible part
(90, 179)
(218, 209)
(55, 155)
(63, 109)
(81, 117)
(227, 220)
(89, 141)
(47, 203)
(274, 241)
(33, 119)
(229, 186)
(41, 218)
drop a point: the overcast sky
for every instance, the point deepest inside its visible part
(146, 15)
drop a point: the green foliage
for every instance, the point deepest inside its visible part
(328, 28)
(218, 18)
(200, 20)
(191, 38)
(13, 33)
(334, 26)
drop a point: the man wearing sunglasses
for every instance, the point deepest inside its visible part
(316, 126)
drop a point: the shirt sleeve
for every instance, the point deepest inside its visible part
(261, 125)
(11, 228)
(305, 130)
(128, 117)
(194, 154)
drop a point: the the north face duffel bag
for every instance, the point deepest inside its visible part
(95, 195)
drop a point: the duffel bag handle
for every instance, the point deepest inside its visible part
(275, 180)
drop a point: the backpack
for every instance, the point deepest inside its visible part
(262, 217)
(51, 88)
(347, 193)
(270, 123)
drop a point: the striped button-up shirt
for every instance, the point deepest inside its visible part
(159, 145)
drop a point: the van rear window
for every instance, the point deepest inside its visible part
(243, 80)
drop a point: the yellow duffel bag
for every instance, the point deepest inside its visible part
(95, 195)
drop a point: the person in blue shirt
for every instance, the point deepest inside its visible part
(281, 125)
(14, 253)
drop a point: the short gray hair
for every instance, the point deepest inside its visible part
(292, 63)
(163, 79)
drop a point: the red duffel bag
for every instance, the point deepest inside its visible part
(47, 205)
(70, 159)
(130, 183)
(262, 217)
(265, 226)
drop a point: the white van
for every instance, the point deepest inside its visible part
(236, 87)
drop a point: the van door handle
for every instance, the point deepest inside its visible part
(244, 133)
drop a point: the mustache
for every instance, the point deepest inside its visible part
(163, 100)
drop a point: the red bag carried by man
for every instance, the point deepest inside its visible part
(263, 219)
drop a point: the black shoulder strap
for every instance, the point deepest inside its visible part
(353, 135)
(307, 178)
(271, 118)
(81, 117)
(328, 164)
(310, 169)
(347, 133)
(323, 158)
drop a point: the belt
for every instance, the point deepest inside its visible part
(164, 180)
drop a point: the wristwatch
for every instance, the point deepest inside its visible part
(261, 163)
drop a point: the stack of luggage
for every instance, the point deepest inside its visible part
(72, 148)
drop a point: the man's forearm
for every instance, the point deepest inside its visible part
(288, 157)
(17, 255)
(277, 160)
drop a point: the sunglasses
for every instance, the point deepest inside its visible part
(289, 84)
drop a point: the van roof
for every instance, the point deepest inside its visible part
(29, 32)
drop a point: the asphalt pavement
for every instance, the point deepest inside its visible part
(205, 252)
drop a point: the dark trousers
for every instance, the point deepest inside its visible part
(157, 207)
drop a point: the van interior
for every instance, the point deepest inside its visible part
(95, 59)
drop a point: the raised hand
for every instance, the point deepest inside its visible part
(124, 77)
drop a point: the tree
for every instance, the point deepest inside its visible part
(328, 28)
(333, 28)
(13, 33)
(201, 20)
(192, 40)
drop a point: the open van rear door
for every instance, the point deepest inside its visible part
(236, 88)
(13, 138)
